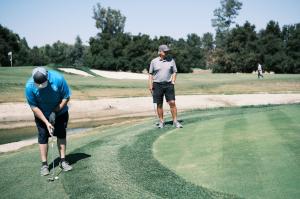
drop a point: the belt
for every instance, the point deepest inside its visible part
(162, 82)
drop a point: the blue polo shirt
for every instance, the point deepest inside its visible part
(47, 99)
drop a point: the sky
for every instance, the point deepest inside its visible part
(47, 21)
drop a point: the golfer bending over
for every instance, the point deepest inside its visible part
(162, 77)
(48, 94)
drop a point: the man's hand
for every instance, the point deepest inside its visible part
(173, 82)
(150, 83)
(50, 128)
(151, 89)
(52, 118)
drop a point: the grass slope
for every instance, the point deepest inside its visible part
(251, 152)
(12, 83)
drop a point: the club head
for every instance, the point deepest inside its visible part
(50, 179)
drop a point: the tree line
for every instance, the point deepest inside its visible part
(233, 48)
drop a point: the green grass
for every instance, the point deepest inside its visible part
(12, 82)
(251, 152)
(220, 153)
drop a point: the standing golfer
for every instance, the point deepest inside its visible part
(48, 94)
(162, 77)
(259, 71)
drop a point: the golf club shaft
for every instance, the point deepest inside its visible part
(52, 146)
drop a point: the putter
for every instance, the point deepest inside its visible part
(52, 178)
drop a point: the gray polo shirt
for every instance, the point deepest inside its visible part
(162, 70)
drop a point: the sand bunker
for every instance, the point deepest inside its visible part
(120, 75)
(76, 72)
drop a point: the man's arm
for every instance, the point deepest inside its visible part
(62, 104)
(173, 78)
(174, 72)
(150, 83)
(39, 114)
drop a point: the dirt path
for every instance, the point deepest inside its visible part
(14, 115)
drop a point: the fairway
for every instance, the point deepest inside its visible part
(13, 80)
(218, 154)
(251, 152)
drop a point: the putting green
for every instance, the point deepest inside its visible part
(251, 152)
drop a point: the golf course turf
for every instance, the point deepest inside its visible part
(220, 153)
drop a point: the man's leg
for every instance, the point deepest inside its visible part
(61, 145)
(160, 112)
(61, 123)
(173, 109)
(158, 96)
(43, 152)
(170, 97)
(43, 145)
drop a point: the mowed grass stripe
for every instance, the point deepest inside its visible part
(285, 158)
(244, 153)
(239, 153)
(273, 159)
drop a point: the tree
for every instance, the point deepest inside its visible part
(291, 39)
(109, 20)
(138, 53)
(77, 53)
(59, 53)
(22, 58)
(9, 41)
(208, 46)
(195, 51)
(240, 51)
(225, 16)
(271, 48)
(37, 57)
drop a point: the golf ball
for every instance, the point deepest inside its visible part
(56, 178)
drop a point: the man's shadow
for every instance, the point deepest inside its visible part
(71, 158)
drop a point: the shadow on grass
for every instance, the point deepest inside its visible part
(71, 158)
(170, 122)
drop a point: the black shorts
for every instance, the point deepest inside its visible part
(61, 123)
(163, 89)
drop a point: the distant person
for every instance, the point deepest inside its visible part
(259, 71)
(162, 77)
(48, 94)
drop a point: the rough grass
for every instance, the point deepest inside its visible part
(12, 82)
(251, 152)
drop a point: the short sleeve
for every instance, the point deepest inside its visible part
(65, 90)
(31, 99)
(151, 68)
